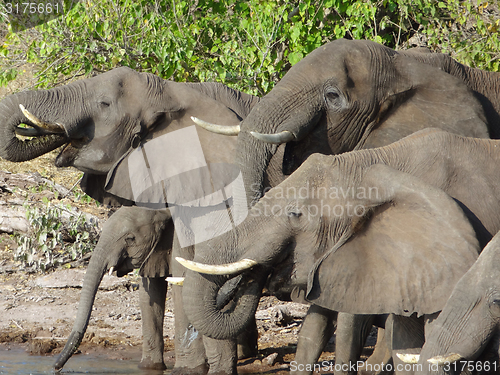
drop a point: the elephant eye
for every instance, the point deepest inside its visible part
(130, 239)
(332, 95)
(495, 307)
(104, 103)
(334, 99)
(294, 213)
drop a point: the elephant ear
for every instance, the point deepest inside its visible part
(93, 186)
(158, 260)
(417, 102)
(404, 257)
(177, 152)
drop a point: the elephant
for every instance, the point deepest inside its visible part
(133, 237)
(349, 95)
(138, 238)
(462, 167)
(469, 321)
(101, 121)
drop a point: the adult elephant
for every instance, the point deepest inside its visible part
(470, 320)
(103, 119)
(349, 95)
(353, 243)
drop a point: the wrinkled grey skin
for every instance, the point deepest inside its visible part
(106, 115)
(470, 319)
(349, 95)
(462, 167)
(104, 118)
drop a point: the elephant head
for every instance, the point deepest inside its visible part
(348, 95)
(131, 238)
(98, 119)
(361, 240)
(471, 317)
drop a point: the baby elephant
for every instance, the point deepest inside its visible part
(470, 321)
(131, 238)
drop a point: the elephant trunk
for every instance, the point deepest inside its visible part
(254, 170)
(97, 267)
(208, 312)
(274, 115)
(11, 147)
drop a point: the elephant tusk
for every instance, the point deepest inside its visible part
(175, 280)
(218, 129)
(442, 360)
(223, 269)
(51, 127)
(409, 358)
(278, 138)
(110, 272)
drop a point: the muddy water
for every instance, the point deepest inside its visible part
(16, 361)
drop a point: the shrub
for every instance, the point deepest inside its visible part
(248, 45)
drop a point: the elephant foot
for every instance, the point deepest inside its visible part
(222, 373)
(148, 364)
(247, 341)
(198, 370)
(247, 351)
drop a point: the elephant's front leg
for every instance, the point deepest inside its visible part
(317, 328)
(152, 295)
(190, 357)
(221, 356)
(351, 334)
(405, 335)
(189, 349)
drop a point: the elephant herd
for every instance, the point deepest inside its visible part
(366, 186)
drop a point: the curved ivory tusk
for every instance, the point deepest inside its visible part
(442, 360)
(278, 138)
(218, 129)
(223, 269)
(111, 271)
(51, 127)
(409, 358)
(175, 280)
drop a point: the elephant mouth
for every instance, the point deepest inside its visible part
(41, 127)
(67, 155)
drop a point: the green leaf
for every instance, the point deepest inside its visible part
(295, 57)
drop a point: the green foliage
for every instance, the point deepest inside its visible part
(248, 45)
(58, 236)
